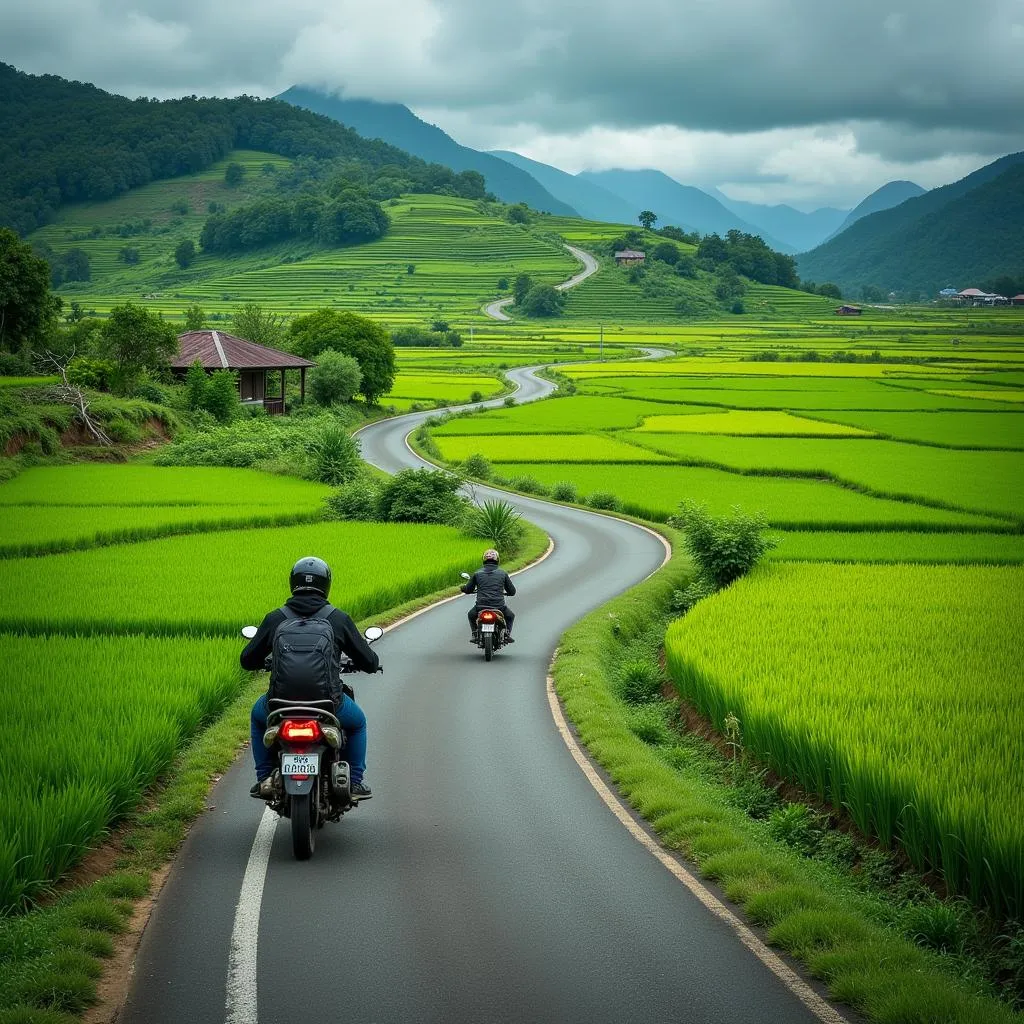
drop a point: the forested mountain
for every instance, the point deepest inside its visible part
(588, 199)
(801, 231)
(960, 234)
(63, 141)
(682, 205)
(885, 198)
(399, 126)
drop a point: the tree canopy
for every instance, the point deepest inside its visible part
(355, 335)
(134, 339)
(27, 309)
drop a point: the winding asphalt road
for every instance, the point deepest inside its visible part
(486, 881)
(496, 310)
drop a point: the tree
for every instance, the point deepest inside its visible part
(667, 252)
(194, 318)
(221, 399)
(195, 386)
(523, 283)
(335, 378)
(712, 249)
(543, 300)
(135, 339)
(28, 311)
(254, 323)
(355, 335)
(830, 290)
(185, 253)
(647, 218)
(422, 496)
(233, 175)
(128, 255)
(518, 214)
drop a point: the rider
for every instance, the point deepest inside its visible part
(491, 584)
(310, 582)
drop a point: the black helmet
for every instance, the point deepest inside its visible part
(310, 573)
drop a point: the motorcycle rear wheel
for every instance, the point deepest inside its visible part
(303, 811)
(488, 646)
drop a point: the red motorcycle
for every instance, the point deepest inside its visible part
(490, 629)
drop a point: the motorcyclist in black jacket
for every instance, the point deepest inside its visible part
(491, 584)
(310, 582)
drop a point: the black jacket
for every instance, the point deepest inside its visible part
(350, 641)
(490, 584)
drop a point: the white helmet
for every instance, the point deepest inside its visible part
(490, 555)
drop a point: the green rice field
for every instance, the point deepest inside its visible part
(891, 691)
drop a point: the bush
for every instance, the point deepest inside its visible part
(221, 399)
(603, 500)
(356, 500)
(476, 396)
(333, 453)
(639, 682)
(335, 378)
(565, 490)
(528, 485)
(725, 547)
(422, 496)
(195, 386)
(497, 522)
(477, 466)
(96, 374)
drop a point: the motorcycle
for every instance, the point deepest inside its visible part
(312, 782)
(490, 628)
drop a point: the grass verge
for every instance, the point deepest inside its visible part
(840, 926)
(53, 959)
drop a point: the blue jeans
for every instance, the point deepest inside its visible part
(352, 719)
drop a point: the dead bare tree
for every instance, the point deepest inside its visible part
(74, 395)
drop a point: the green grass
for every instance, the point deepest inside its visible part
(938, 548)
(90, 747)
(764, 423)
(561, 448)
(929, 759)
(136, 485)
(21, 382)
(654, 492)
(153, 586)
(953, 429)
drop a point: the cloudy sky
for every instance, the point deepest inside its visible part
(805, 101)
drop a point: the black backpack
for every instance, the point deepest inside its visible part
(304, 662)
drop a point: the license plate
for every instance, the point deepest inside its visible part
(300, 764)
(488, 628)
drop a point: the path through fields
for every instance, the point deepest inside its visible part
(496, 310)
(486, 881)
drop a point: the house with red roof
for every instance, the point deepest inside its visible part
(216, 350)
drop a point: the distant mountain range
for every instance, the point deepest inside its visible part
(801, 231)
(398, 125)
(884, 198)
(959, 234)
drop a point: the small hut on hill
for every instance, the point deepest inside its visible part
(216, 350)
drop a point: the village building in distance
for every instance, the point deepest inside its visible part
(630, 257)
(976, 297)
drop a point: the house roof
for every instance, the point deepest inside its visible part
(219, 351)
(1020, 297)
(973, 291)
(630, 254)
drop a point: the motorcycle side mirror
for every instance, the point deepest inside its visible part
(249, 632)
(465, 575)
(373, 633)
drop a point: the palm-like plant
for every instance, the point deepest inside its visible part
(498, 522)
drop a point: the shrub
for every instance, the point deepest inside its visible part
(335, 378)
(195, 386)
(334, 454)
(422, 496)
(796, 825)
(84, 372)
(565, 490)
(477, 466)
(724, 547)
(528, 485)
(356, 500)
(497, 522)
(603, 500)
(647, 722)
(476, 396)
(639, 682)
(221, 398)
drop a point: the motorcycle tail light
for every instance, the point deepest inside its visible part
(487, 616)
(297, 730)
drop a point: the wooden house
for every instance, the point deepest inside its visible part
(630, 257)
(216, 350)
(848, 310)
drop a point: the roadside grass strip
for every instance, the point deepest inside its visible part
(88, 747)
(993, 430)
(765, 423)
(932, 548)
(49, 529)
(136, 485)
(655, 491)
(233, 577)
(547, 448)
(891, 691)
(985, 482)
(844, 934)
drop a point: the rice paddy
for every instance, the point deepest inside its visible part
(891, 691)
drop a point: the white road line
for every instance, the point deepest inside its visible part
(241, 987)
(821, 1008)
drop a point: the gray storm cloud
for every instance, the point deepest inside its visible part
(918, 79)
